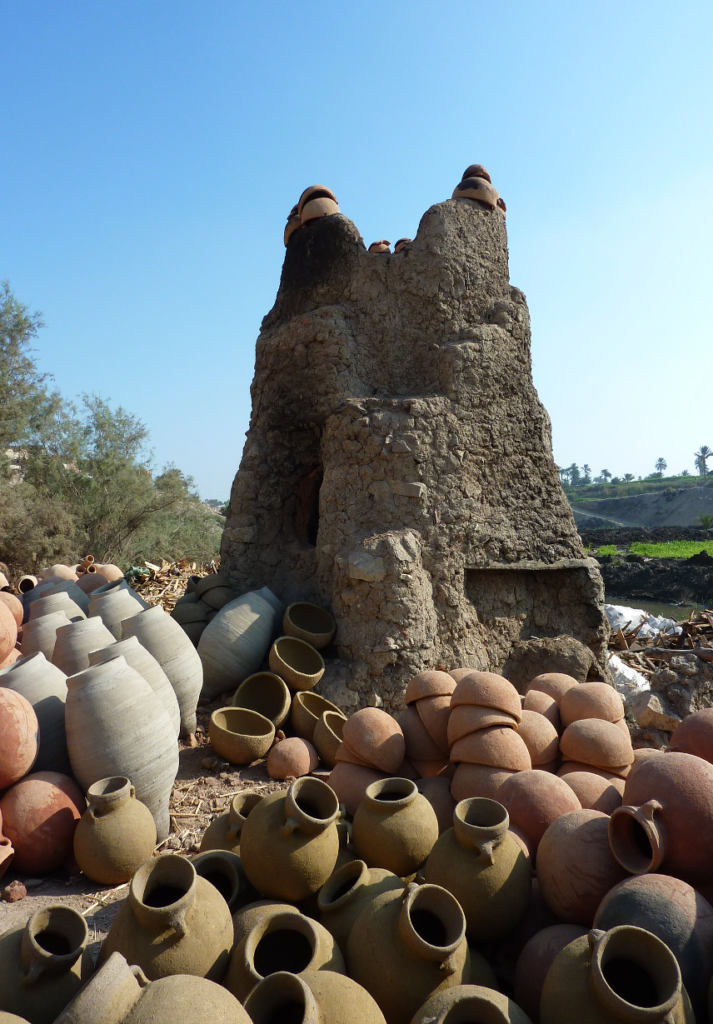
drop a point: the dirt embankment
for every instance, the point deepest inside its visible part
(674, 580)
(626, 535)
(682, 506)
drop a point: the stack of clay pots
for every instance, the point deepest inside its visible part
(476, 184)
(316, 202)
(196, 609)
(9, 626)
(425, 723)
(373, 747)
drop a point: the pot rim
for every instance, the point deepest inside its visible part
(357, 871)
(60, 920)
(655, 958)
(297, 817)
(625, 828)
(442, 904)
(284, 921)
(394, 784)
(169, 868)
(275, 991)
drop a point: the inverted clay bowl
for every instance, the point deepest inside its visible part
(297, 662)
(591, 700)
(376, 738)
(435, 713)
(488, 690)
(239, 735)
(555, 684)
(419, 744)
(467, 718)
(293, 757)
(429, 684)
(266, 693)
(540, 737)
(309, 622)
(594, 741)
(594, 792)
(498, 747)
(538, 700)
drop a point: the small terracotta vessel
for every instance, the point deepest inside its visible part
(43, 686)
(594, 792)
(406, 946)
(540, 738)
(476, 171)
(534, 800)
(316, 201)
(376, 737)
(141, 661)
(538, 700)
(478, 780)
(224, 832)
(43, 964)
(575, 866)
(471, 1003)
(265, 693)
(382, 247)
(60, 571)
(555, 684)
(394, 827)
(401, 244)
(312, 997)
(467, 718)
(289, 843)
(434, 712)
(20, 734)
(173, 922)
(239, 735)
(281, 942)
(497, 747)
(488, 690)
(535, 961)
(224, 870)
(597, 742)
(307, 709)
(350, 782)
(431, 683)
(293, 222)
(309, 622)
(484, 867)
(291, 758)
(40, 635)
(27, 583)
(115, 835)
(327, 737)
(347, 892)
(626, 974)
(476, 188)
(40, 814)
(438, 793)
(591, 700)
(695, 735)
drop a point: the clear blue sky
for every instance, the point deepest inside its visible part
(151, 152)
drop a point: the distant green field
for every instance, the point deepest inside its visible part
(671, 549)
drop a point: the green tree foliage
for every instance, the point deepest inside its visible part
(85, 481)
(701, 456)
(661, 465)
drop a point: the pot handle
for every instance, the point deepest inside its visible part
(35, 972)
(289, 827)
(485, 850)
(177, 921)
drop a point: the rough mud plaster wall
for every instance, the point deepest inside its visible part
(398, 468)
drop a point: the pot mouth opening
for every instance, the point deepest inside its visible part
(162, 884)
(242, 804)
(334, 721)
(481, 812)
(342, 884)
(313, 703)
(315, 799)
(280, 999)
(221, 878)
(299, 656)
(284, 945)
(310, 617)
(436, 919)
(108, 791)
(470, 1010)
(263, 692)
(242, 721)
(58, 931)
(631, 842)
(634, 968)
(392, 791)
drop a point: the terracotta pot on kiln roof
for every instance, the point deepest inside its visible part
(555, 684)
(540, 738)
(380, 247)
(498, 747)
(594, 741)
(488, 690)
(293, 222)
(376, 737)
(316, 201)
(431, 683)
(591, 700)
(534, 800)
(401, 244)
(476, 188)
(476, 171)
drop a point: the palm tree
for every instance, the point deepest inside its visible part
(661, 465)
(605, 475)
(628, 477)
(701, 456)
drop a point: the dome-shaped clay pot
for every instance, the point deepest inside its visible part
(485, 869)
(470, 1003)
(224, 832)
(45, 688)
(401, 244)
(43, 964)
(40, 635)
(695, 735)
(91, 581)
(138, 658)
(467, 718)
(382, 247)
(8, 632)
(173, 922)
(217, 598)
(429, 684)
(109, 571)
(293, 222)
(594, 741)
(312, 997)
(224, 870)
(116, 833)
(575, 866)
(309, 622)
(594, 792)
(554, 684)
(321, 201)
(265, 693)
(476, 188)
(476, 171)
(394, 827)
(578, 766)
(375, 737)
(40, 814)
(540, 737)
(534, 800)
(438, 793)
(350, 782)
(60, 571)
(327, 736)
(497, 746)
(419, 744)
(281, 942)
(307, 709)
(538, 700)
(626, 974)
(478, 780)
(239, 735)
(56, 602)
(19, 736)
(461, 673)
(591, 700)
(666, 820)
(420, 934)
(297, 662)
(292, 757)
(434, 712)
(535, 961)
(14, 605)
(347, 892)
(488, 690)
(289, 843)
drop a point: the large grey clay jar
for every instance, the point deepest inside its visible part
(165, 640)
(233, 646)
(75, 641)
(70, 588)
(138, 658)
(116, 725)
(113, 603)
(41, 634)
(56, 602)
(45, 687)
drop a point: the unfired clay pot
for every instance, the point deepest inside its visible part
(350, 782)
(291, 757)
(597, 742)
(438, 793)
(224, 832)
(75, 641)
(497, 747)
(394, 827)
(307, 709)
(555, 684)
(138, 658)
(116, 725)
(534, 800)
(575, 866)
(484, 867)
(56, 602)
(20, 736)
(312, 997)
(311, 623)
(289, 842)
(44, 686)
(44, 964)
(472, 1003)
(328, 735)
(172, 922)
(488, 690)
(116, 833)
(626, 974)
(591, 700)
(677, 914)
(297, 662)
(347, 892)
(535, 961)
(376, 738)
(40, 635)
(245, 919)
(239, 735)
(405, 946)
(594, 792)
(40, 814)
(166, 641)
(431, 683)
(68, 587)
(113, 603)
(224, 870)
(266, 693)
(666, 820)
(478, 780)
